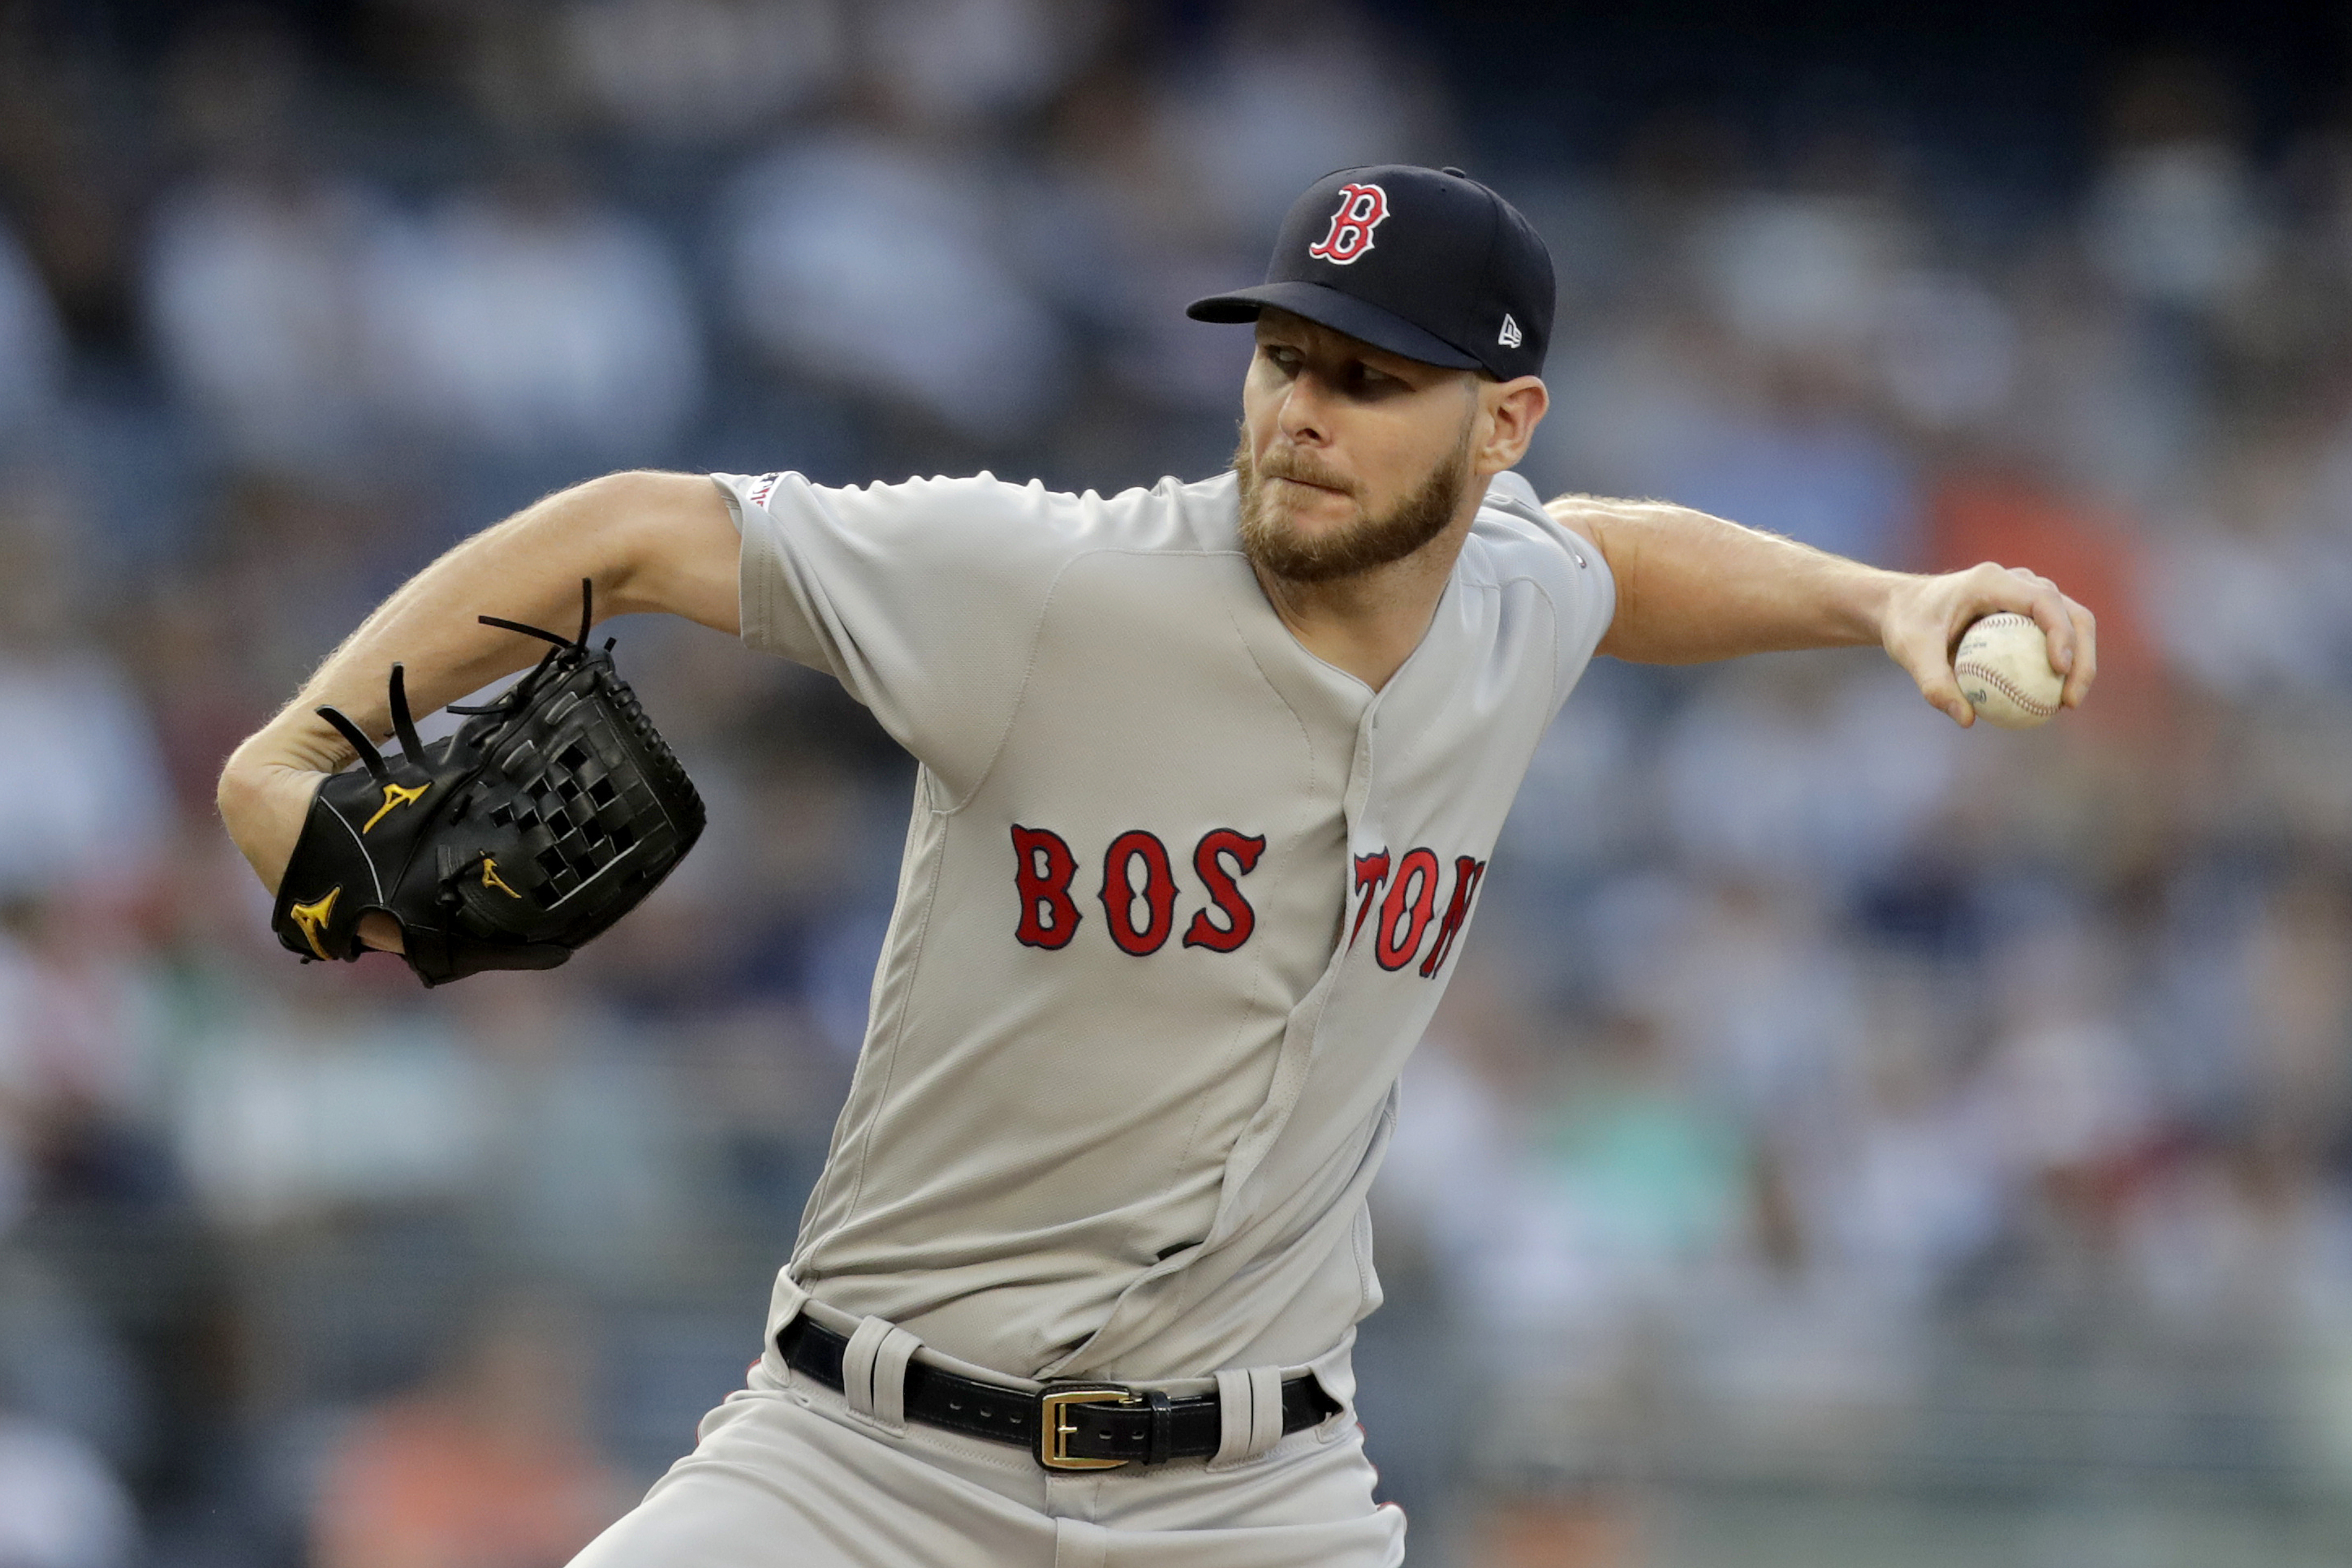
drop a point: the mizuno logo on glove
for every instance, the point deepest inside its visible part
(311, 919)
(395, 794)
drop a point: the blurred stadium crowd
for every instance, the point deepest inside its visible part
(1830, 1096)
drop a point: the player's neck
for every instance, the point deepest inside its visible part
(1368, 623)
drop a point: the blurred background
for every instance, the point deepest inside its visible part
(1850, 1140)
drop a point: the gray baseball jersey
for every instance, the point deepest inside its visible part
(1178, 899)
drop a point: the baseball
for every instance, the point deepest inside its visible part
(2004, 668)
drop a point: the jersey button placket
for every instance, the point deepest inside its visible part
(1363, 828)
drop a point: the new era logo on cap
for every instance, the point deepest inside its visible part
(1420, 262)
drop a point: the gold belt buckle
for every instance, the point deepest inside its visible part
(1055, 1434)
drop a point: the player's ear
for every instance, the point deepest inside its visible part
(1509, 413)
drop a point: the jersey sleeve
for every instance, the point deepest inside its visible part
(923, 599)
(1574, 574)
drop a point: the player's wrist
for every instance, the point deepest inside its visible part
(297, 740)
(262, 804)
(381, 931)
(1873, 604)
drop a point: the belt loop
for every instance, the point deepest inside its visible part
(1233, 1418)
(857, 1364)
(890, 1361)
(1249, 1414)
(874, 1372)
(1160, 1440)
(1265, 1408)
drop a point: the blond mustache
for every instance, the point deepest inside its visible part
(1304, 473)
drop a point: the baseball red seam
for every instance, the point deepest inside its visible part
(2008, 689)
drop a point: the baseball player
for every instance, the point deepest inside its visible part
(1209, 777)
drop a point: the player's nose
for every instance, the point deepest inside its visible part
(1304, 412)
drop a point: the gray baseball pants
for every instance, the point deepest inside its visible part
(786, 1474)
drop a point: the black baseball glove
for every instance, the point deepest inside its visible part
(545, 818)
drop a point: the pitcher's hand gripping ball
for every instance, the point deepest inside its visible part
(2004, 668)
(545, 818)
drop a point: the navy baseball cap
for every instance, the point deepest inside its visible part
(1426, 263)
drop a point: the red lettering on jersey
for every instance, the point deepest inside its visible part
(1403, 924)
(1362, 208)
(1224, 892)
(1158, 893)
(1468, 873)
(1371, 870)
(1049, 917)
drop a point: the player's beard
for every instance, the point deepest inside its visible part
(1280, 549)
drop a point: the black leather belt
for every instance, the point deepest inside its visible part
(1068, 1425)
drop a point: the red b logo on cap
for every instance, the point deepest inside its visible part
(1362, 208)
